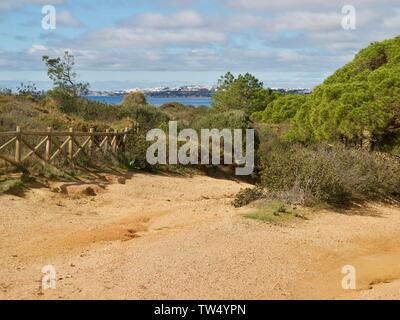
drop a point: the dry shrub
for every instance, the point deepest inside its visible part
(331, 174)
(248, 195)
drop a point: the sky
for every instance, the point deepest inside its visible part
(121, 44)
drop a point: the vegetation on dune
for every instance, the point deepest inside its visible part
(341, 143)
(245, 93)
(335, 146)
(248, 195)
(134, 98)
(326, 173)
(358, 105)
(235, 119)
(276, 212)
(147, 116)
(281, 110)
(186, 116)
(61, 72)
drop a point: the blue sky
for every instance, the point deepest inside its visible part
(120, 44)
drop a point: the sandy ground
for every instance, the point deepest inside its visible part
(171, 237)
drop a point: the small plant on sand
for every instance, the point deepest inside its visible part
(10, 185)
(248, 195)
(275, 212)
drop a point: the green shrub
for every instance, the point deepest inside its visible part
(134, 98)
(275, 212)
(66, 102)
(29, 90)
(185, 115)
(248, 195)
(232, 120)
(244, 93)
(147, 116)
(331, 174)
(135, 152)
(357, 105)
(281, 109)
(10, 185)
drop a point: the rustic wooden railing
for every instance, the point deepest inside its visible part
(19, 145)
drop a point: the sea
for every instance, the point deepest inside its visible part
(155, 101)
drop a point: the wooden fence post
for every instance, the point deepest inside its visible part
(107, 141)
(91, 131)
(18, 145)
(125, 135)
(71, 144)
(48, 144)
(115, 139)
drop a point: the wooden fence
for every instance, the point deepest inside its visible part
(19, 145)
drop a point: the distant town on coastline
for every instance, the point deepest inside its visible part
(188, 91)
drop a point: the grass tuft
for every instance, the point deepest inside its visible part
(275, 212)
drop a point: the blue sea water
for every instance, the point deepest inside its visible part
(156, 101)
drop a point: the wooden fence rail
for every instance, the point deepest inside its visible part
(69, 144)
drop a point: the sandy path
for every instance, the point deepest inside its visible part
(167, 237)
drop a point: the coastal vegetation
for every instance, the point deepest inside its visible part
(337, 145)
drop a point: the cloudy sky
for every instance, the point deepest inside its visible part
(121, 44)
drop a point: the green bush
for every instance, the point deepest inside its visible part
(86, 109)
(147, 116)
(134, 98)
(357, 105)
(231, 120)
(331, 174)
(244, 93)
(135, 152)
(248, 195)
(281, 109)
(185, 115)
(66, 102)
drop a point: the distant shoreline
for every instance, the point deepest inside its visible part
(152, 95)
(154, 100)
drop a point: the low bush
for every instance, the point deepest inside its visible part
(275, 212)
(134, 98)
(248, 195)
(232, 119)
(332, 174)
(135, 152)
(185, 115)
(10, 185)
(147, 116)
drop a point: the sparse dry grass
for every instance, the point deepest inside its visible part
(276, 212)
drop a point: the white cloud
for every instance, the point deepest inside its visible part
(183, 19)
(142, 38)
(306, 21)
(298, 20)
(37, 49)
(65, 18)
(291, 56)
(14, 4)
(296, 5)
(392, 22)
(183, 28)
(266, 4)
